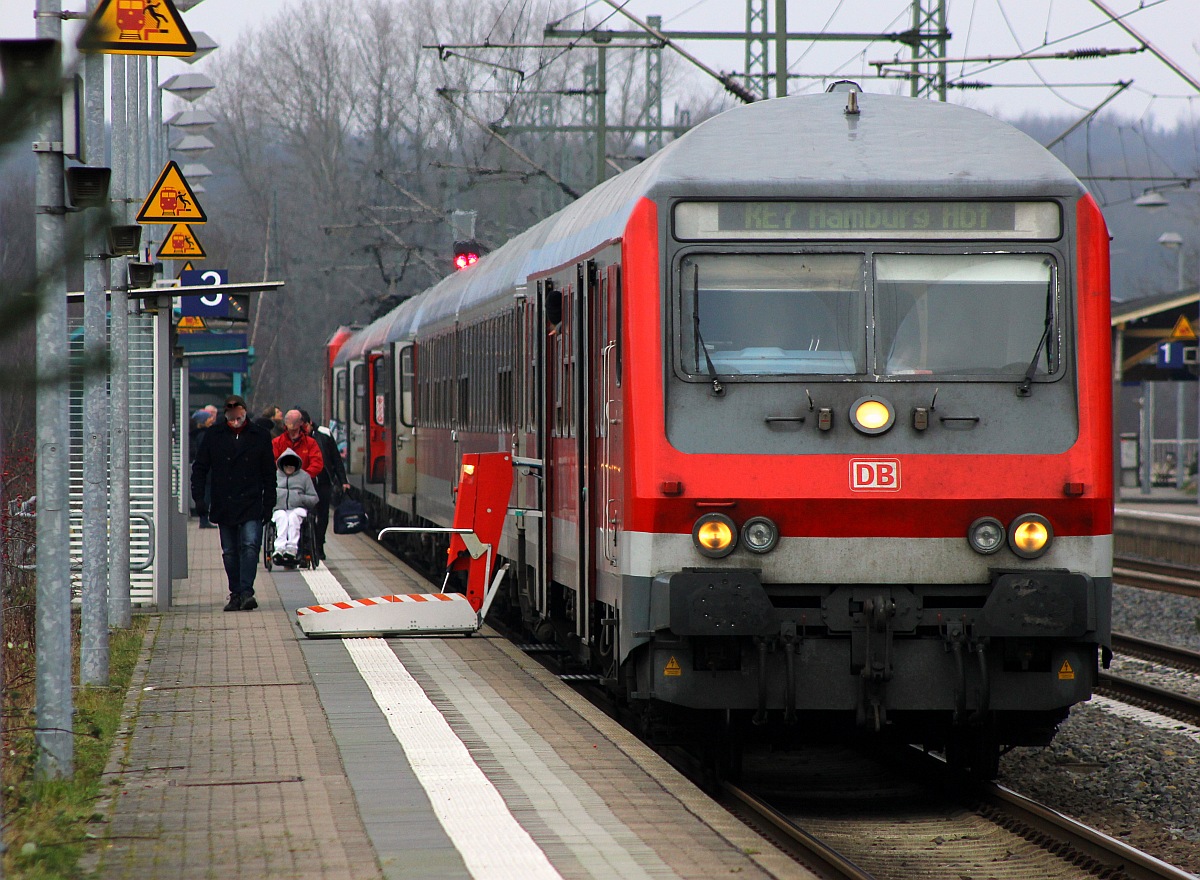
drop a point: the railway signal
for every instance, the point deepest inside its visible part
(466, 253)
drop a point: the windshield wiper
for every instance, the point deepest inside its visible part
(718, 388)
(1026, 385)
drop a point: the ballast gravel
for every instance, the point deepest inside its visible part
(1128, 773)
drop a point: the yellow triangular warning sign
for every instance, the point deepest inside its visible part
(137, 27)
(672, 668)
(1183, 329)
(191, 324)
(187, 267)
(1065, 672)
(181, 244)
(171, 200)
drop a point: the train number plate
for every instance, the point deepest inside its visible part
(875, 474)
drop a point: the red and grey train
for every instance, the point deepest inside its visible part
(811, 414)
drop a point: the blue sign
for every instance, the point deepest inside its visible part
(200, 277)
(214, 305)
(1170, 355)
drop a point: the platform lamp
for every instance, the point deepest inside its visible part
(1174, 241)
(1151, 200)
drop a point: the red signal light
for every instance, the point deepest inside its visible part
(466, 253)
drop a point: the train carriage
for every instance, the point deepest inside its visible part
(812, 419)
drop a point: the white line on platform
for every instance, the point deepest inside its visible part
(474, 815)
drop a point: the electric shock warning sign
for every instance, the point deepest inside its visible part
(1065, 672)
(672, 667)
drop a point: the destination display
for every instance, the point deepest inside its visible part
(827, 219)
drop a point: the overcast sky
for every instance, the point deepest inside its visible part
(978, 27)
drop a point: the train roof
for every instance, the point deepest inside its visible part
(799, 147)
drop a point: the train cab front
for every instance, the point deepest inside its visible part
(895, 463)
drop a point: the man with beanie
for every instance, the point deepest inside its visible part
(238, 465)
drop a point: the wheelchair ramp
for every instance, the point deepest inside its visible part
(432, 614)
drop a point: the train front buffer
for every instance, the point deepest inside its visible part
(1024, 643)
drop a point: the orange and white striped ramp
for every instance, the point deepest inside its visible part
(432, 614)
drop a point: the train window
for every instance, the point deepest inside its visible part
(406, 386)
(965, 315)
(339, 396)
(359, 393)
(772, 314)
(379, 382)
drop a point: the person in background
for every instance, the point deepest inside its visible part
(332, 474)
(295, 496)
(236, 457)
(274, 415)
(296, 439)
(202, 420)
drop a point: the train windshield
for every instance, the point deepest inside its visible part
(988, 315)
(985, 316)
(769, 314)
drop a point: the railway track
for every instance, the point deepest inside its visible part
(926, 832)
(1152, 575)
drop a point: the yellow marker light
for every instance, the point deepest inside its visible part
(870, 415)
(468, 470)
(1030, 535)
(714, 535)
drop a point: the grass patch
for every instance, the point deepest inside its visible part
(46, 821)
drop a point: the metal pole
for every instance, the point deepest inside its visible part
(1180, 477)
(781, 52)
(601, 114)
(93, 645)
(119, 610)
(53, 731)
(1147, 437)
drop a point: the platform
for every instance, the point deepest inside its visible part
(250, 751)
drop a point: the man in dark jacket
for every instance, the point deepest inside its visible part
(237, 456)
(333, 474)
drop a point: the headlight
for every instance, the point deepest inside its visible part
(714, 535)
(870, 415)
(986, 535)
(760, 535)
(1030, 535)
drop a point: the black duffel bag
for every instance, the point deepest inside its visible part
(349, 518)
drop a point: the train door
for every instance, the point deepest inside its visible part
(608, 502)
(568, 466)
(356, 433)
(378, 408)
(404, 452)
(530, 432)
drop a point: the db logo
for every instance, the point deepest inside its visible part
(875, 474)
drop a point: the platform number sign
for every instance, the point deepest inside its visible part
(1175, 356)
(211, 305)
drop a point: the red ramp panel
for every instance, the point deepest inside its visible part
(484, 487)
